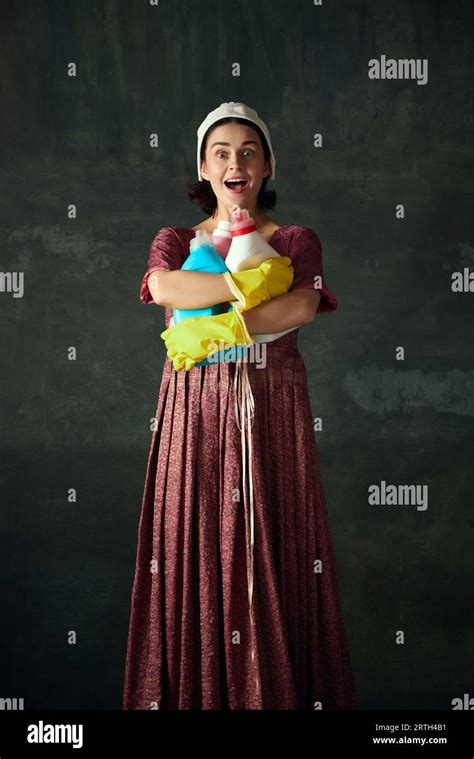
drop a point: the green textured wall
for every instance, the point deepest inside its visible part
(84, 140)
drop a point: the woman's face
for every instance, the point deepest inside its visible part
(235, 150)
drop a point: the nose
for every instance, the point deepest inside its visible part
(235, 162)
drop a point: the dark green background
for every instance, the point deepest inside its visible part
(85, 423)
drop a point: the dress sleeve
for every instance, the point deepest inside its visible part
(165, 254)
(308, 264)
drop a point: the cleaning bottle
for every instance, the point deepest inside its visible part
(248, 250)
(203, 256)
(222, 238)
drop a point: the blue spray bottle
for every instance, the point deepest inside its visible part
(203, 256)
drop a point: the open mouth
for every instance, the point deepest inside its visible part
(236, 186)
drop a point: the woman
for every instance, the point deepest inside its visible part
(195, 641)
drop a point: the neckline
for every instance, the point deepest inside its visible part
(283, 226)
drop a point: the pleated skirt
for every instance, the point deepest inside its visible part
(194, 639)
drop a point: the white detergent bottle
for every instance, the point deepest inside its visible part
(247, 251)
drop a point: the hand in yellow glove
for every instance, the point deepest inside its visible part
(197, 337)
(273, 277)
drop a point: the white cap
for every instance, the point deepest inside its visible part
(236, 110)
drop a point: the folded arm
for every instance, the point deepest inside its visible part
(188, 289)
(283, 312)
(194, 290)
(192, 339)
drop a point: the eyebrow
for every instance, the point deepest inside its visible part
(247, 142)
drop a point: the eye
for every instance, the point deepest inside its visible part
(222, 152)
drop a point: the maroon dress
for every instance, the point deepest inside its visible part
(193, 641)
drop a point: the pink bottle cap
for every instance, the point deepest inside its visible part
(241, 221)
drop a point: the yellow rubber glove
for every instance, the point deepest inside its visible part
(273, 277)
(197, 337)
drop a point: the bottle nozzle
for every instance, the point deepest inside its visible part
(238, 214)
(202, 233)
(202, 237)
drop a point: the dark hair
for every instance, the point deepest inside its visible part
(202, 194)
